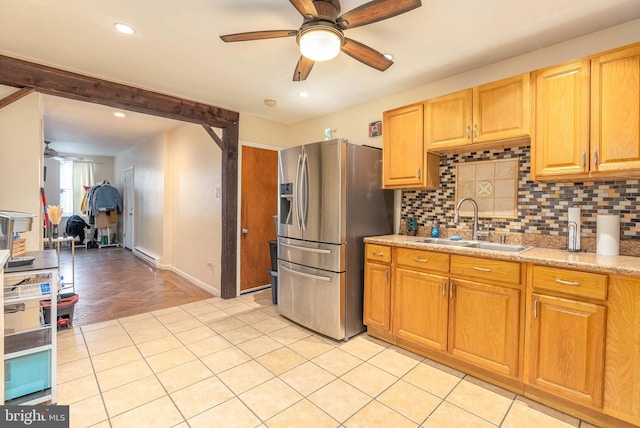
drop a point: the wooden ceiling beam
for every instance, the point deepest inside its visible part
(53, 81)
(48, 80)
(15, 96)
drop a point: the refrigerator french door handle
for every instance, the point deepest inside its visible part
(297, 199)
(310, 250)
(306, 275)
(305, 190)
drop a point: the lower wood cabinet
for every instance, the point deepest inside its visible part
(484, 325)
(421, 308)
(566, 348)
(622, 350)
(377, 287)
(577, 348)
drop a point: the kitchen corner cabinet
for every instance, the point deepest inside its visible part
(566, 334)
(492, 112)
(405, 161)
(377, 287)
(587, 118)
(622, 355)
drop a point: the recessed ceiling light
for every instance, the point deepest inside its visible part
(119, 114)
(269, 102)
(304, 94)
(124, 28)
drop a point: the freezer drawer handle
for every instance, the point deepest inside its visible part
(311, 250)
(307, 275)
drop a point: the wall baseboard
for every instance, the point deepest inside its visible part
(203, 285)
(147, 256)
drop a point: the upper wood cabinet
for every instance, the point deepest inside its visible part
(405, 162)
(587, 118)
(560, 144)
(448, 119)
(615, 111)
(495, 111)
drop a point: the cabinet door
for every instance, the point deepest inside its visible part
(377, 296)
(566, 348)
(403, 147)
(615, 111)
(484, 325)
(622, 359)
(420, 308)
(560, 145)
(502, 109)
(448, 120)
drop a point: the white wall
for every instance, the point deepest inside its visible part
(353, 122)
(22, 162)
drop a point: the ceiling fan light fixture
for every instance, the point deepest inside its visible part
(320, 42)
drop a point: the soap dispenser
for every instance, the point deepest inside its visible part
(435, 231)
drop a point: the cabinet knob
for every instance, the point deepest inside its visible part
(595, 158)
(468, 132)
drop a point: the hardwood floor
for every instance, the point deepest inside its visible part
(112, 283)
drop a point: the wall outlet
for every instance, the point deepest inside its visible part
(210, 263)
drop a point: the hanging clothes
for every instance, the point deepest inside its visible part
(103, 197)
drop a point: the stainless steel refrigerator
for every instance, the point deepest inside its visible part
(330, 198)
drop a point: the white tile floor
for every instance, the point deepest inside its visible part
(238, 363)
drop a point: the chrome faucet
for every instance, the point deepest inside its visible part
(456, 217)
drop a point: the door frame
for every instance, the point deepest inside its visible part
(129, 197)
(241, 144)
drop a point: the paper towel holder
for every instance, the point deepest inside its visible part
(573, 248)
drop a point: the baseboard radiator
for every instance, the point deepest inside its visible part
(147, 256)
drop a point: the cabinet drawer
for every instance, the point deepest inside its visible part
(486, 269)
(576, 283)
(380, 253)
(421, 259)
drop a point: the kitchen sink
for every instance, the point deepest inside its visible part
(491, 246)
(507, 248)
(448, 242)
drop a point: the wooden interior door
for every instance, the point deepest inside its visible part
(259, 196)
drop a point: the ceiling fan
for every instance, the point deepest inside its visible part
(323, 28)
(50, 152)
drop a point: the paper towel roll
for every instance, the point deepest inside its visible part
(574, 229)
(608, 235)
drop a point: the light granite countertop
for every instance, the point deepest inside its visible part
(623, 265)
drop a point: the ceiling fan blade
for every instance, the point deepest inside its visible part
(303, 68)
(366, 55)
(376, 10)
(305, 7)
(258, 35)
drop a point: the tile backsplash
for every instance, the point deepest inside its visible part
(541, 207)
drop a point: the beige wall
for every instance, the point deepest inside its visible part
(148, 160)
(22, 161)
(195, 205)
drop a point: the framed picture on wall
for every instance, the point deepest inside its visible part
(375, 129)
